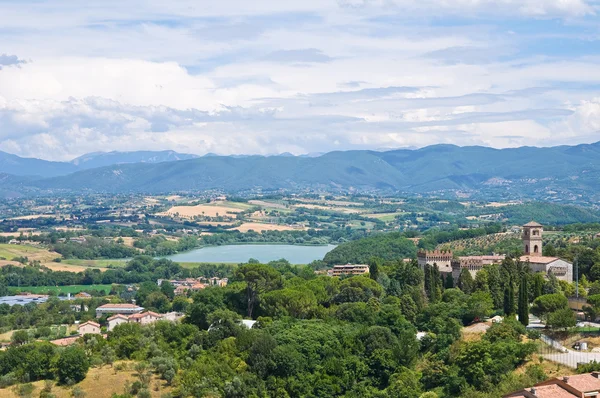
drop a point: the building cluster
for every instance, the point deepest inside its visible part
(532, 255)
(131, 313)
(194, 284)
(583, 385)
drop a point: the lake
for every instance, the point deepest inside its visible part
(263, 253)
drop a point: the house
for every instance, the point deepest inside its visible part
(583, 385)
(563, 270)
(145, 318)
(89, 327)
(116, 320)
(78, 239)
(125, 309)
(349, 269)
(83, 295)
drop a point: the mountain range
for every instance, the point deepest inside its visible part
(561, 173)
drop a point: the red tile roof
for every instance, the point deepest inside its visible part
(90, 323)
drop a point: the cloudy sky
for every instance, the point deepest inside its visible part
(266, 76)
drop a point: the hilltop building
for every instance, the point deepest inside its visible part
(532, 239)
(442, 258)
(473, 264)
(348, 269)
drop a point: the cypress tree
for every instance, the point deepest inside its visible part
(523, 302)
(509, 299)
(449, 284)
(465, 281)
(427, 284)
(436, 284)
(374, 265)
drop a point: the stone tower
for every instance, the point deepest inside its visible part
(532, 239)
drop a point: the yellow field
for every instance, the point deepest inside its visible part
(99, 383)
(258, 227)
(17, 234)
(32, 253)
(201, 210)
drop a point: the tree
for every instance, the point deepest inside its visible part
(479, 305)
(72, 365)
(523, 304)
(436, 284)
(167, 289)
(374, 266)
(538, 285)
(548, 303)
(549, 250)
(19, 337)
(563, 318)
(465, 281)
(259, 279)
(449, 284)
(481, 281)
(509, 298)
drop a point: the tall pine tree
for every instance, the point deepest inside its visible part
(523, 302)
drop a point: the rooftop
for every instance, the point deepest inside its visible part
(117, 316)
(585, 382)
(539, 259)
(119, 306)
(90, 323)
(550, 391)
(533, 224)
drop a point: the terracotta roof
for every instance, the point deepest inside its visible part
(90, 323)
(549, 391)
(539, 259)
(155, 314)
(585, 382)
(533, 224)
(117, 316)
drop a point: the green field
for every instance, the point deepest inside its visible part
(95, 263)
(73, 289)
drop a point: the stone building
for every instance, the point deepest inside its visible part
(473, 264)
(442, 258)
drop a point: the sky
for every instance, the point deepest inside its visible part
(311, 76)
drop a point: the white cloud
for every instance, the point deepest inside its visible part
(267, 77)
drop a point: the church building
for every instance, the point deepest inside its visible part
(532, 247)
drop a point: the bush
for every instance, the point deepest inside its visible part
(533, 334)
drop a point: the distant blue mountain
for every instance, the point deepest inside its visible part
(101, 159)
(562, 173)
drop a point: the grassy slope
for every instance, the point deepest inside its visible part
(99, 383)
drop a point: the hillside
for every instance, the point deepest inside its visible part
(563, 173)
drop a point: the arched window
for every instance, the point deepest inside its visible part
(536, 249)
(526, 249)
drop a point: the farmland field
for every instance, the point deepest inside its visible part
(31, 252)
(258, 227)
(73, 289)
(202, 210)
(385, 217)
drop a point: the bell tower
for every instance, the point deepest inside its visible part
(532, 239)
